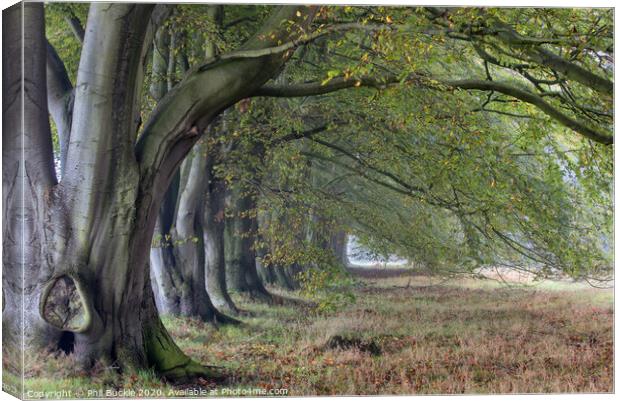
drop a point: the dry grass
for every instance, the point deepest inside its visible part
(405, 335)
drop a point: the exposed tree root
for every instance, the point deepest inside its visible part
(169, 361)
(221, 318)
(193, 370)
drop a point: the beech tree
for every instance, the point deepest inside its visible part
(90, 233)
(77, 245)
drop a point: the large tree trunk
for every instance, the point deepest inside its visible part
(27, 179)
(82, 246)
(103, 259)
(77, 245)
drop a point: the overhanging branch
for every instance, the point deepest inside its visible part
(340, 83)
(539, 102)
(302, 40)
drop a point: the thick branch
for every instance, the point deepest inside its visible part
(537, 101)
(573, 71)
(183, 114)
(316, 88)
(532, 47)
(302, 40)
(299, 135)
(76, 26)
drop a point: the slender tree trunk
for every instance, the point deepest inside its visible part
(60, 100)
(242, 268)
(248, 227)
(187, 237)
(166, 282)
(213, 237)
(338, 245)
(235, 279)
(283, 279)
(266, 273)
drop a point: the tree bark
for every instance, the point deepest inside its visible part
(338, 244)
(60, 100)
(178, 263)
(179, 270)
(245, 254)
(213, 238)
(163, 277)
(78, 240)
(27, 179)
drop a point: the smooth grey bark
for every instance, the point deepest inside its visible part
(26, 183)
(243, 273)
(105, 247)
(178, 264)
(81, 232)
(161, 52)
(163, 277)
(187, 238)
(213, 238)
(60, 98)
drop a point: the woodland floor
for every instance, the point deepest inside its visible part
(403, 335)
